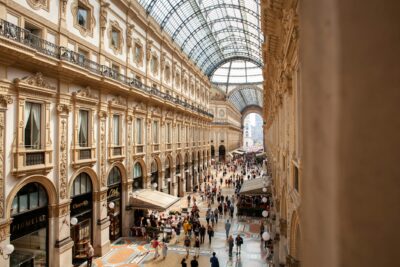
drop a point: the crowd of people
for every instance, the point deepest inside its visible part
(191, 229)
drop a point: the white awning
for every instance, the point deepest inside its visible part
(152, 199)
(238, 152)
(255, 186)
(260, 154)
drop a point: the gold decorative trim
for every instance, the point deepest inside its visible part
(116, 49)
(91, 19)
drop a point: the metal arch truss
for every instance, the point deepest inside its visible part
(211, 32)
(244, 96)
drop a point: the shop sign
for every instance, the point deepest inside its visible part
(28, 222)
(113, 193)
(81, 204)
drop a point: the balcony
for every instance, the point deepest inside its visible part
(139, 149)
(34, 158)
(25, 37)
(85, 154)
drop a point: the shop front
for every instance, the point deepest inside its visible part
(154, 175)
(137, 176)
(81, 217)
(29, 228)
(178, 175)
(114, 203)
(187, 175)
(167, 175)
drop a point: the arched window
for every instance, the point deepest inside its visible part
(137, 176)
(114, 177)
(82, 185)
(137, 170)
(32, 196)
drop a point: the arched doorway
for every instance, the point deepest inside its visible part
(137, 176)
(212, 152)
(178, 175)
(114, 202)
(187, 180)
(221, 152)
(253, 137)
(154, 175)
(167, 174)
(29, 228)
(81, 209)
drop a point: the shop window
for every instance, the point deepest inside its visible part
(296, 179)
(30, 197)
(82, 185)
(114, 177)
(137, 176)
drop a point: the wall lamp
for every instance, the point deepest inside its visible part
(6, 251)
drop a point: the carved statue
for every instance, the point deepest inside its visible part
(103, 15)
(129, 36)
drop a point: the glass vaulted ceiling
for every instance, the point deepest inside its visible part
(237, 72)
(211, 32)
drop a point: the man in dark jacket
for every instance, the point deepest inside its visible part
(214, 261)
(194, 262)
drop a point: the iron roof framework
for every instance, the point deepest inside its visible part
(244, 96)
(211, 32)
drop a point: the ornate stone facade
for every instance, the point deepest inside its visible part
(282, 123)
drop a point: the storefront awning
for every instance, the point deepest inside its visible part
(259, 155)
(152, 199)
(238, 152)
(255, 186)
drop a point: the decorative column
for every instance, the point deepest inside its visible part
(4, 222)
(101, 240)
(63, 242)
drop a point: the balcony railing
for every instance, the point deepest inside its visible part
(85, 154)
(117, 151)
(20, 35)
(34, 158)
(139, 149)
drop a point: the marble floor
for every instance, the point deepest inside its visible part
(137, 252)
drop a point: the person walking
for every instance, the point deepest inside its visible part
(187, 245)
(194, 262)
(262, 228)
(164, 250)
(208, 217)
(188, 200)
(230, 245)
(216, 215)
(210, 232)
(197, 247)
(239, 242)
(183, 262)
(155, 244)
(227, 228)
(214, 261)
(90, 254)
(202, 234)
(212, 218)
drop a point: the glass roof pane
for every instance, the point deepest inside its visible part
(239, 72)
(202, 28)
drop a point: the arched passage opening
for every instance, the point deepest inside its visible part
(154, 175)
(29, 229)
(178, 175)
(81, 209)
(167, 174)
(253, 138)
(187, 179)
(137, 176)
(212, 152)
(221, 151)
(114, 184)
